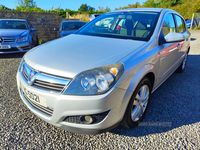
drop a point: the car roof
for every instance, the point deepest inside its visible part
(147, 10)
(95, 14)
(74, 21)
(14, 19)
(140, 9)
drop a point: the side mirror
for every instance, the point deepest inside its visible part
(33, 29)
(56, 29)
(174, 37)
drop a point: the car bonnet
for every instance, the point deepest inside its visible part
(73, 54)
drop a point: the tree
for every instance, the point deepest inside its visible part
(91, 8)
(101, 8)
(85, 7)
(150, 3)
(2, 7)
(136, 5)
(27, 3)
(107, 9)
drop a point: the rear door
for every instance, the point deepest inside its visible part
(181, 28)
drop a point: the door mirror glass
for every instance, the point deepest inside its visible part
(56, 29)
(33, 29)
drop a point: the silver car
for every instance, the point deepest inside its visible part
(103, 75)
(16, 36)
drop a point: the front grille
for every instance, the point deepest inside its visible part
(44, 81)
(96, 118)
(49, 86)
(46, 110)
(7, 39)
(25, 75)
(9, 50)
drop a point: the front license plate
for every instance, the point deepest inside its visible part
(34, 97)
(5, 47)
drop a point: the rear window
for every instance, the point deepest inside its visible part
(72, 25)
(12, 24)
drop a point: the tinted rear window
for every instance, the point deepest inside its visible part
(12, 24)
(72, 25)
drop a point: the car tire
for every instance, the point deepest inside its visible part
(182, 66)
(37, 41)
(138, 104)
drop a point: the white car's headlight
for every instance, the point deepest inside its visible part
(22, 39)
(95, 81)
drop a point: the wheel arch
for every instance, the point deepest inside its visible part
(148, 71)
(151, 77)
(188, 50)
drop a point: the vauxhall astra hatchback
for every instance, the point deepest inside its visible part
(104, 74)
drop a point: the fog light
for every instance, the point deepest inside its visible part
(86, 119)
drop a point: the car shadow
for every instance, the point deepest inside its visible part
(12, 55)
(174, 104)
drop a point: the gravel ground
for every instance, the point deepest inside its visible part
(172, 120)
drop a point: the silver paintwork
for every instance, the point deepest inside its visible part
(73, 54)
(84, 55)
(171, 37)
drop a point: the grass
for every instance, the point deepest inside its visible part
(81, 17)
(197, 28)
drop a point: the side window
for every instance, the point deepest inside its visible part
(180, 24)
(168, 25)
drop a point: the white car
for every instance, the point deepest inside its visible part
(92, 16)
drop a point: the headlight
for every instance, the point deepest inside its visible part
(95, 81)
(22, 39)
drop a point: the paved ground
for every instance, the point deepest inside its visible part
(172, 120)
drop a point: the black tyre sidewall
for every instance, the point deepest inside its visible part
(180, 69)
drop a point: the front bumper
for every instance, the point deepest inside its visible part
(16, 47)
(114, 101)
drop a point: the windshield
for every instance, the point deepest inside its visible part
(126, 25)
(12, 24)
(72, 25)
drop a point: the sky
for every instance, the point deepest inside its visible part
(74, 4)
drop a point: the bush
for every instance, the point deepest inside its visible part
(40, 41)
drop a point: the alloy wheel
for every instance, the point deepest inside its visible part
(140, 103)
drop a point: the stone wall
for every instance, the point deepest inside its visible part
(42, 21)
